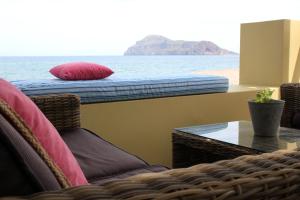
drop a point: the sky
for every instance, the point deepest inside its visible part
(109, 27)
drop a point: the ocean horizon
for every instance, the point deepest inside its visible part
(37, 67)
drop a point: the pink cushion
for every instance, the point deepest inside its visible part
(44, 131)
(81, 71)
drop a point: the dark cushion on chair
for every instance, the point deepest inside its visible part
(123, 175)
(22, 171)
(98, 158)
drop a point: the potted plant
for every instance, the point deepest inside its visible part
(265, 113)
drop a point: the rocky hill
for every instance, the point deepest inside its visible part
(160, 45)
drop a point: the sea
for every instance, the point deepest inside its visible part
(37, 67)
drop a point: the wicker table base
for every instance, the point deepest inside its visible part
(190, 150)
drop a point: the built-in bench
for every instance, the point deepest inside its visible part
(143, 127)
(115, 89)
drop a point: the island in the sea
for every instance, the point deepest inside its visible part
(160, 45)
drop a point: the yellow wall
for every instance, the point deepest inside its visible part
(261, 53)
(143, 127)
(269, 52)
(294, 56)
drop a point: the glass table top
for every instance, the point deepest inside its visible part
(241, 133)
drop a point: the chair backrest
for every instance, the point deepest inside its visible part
(22, 171)
(290, 93)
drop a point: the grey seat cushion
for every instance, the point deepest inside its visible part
(100, 159)
(22, 171)
(122, 175)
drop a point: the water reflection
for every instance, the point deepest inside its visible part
(287, 139)
(267, 143)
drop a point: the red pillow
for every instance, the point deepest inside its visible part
(41, 134)
(81, 71)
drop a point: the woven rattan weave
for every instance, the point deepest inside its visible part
(290, 92)
(62, 110)
(189, 149)
(266, 176)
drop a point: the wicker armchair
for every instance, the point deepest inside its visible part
(290, 92)
(266, 176)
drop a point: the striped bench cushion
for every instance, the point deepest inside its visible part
(115, 89)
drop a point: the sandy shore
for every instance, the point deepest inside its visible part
(231, 74)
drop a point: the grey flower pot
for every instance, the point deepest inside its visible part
(266, 117)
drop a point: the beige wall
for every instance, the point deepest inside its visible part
(261, 50)
(144, 127)
(269, 52)
(294, 56)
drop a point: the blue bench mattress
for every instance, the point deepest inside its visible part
(116, 89)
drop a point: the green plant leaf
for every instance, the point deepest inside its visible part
(264, 96)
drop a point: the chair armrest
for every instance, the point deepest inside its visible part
(266, 176)
(62, 110)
